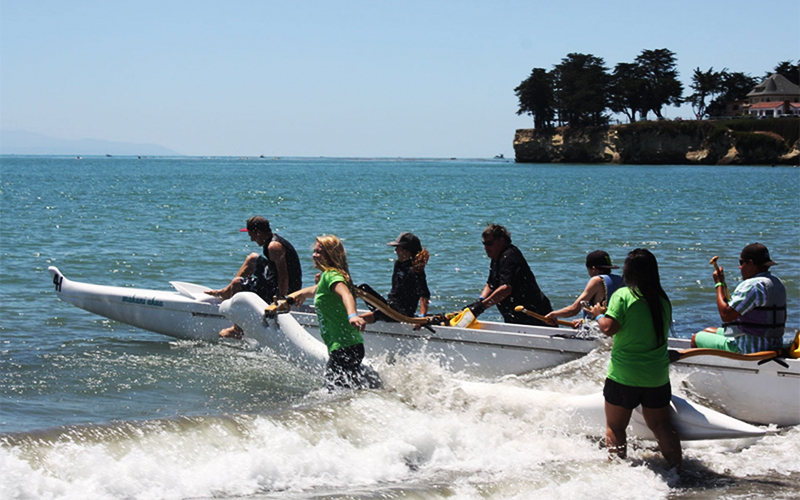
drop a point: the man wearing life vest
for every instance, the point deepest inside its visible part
(602, 284)
(754, 318)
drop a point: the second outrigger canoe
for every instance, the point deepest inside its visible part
(767, 393)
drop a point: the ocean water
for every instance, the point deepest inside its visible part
(91, 408)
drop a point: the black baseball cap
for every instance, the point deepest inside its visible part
(407, 241)
(758, 253)
(599, 258)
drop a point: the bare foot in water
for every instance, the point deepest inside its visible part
(233, 332)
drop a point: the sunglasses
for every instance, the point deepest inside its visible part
(488, 243)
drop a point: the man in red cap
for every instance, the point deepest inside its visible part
(276, 273)
(754, 318)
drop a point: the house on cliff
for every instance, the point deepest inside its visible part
(776, 96)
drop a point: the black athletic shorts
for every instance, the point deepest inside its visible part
(630, 397)
(344, 367)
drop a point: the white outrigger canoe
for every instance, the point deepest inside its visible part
(765, 393)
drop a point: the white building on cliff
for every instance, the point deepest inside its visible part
(776, 96)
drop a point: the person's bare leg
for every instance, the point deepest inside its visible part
(658, 420)
(248, 266)
(617, 419)
(235, 286)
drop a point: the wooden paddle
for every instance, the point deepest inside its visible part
(713, 262)
(281, 306)
(676, 355)
(385, 309)
(540, 317)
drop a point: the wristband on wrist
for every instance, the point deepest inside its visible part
(719, 284)
(481, 297)
(599, 316)
(351, 316)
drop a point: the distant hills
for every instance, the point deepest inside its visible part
(20, 142)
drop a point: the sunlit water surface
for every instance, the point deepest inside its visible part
(92, 408)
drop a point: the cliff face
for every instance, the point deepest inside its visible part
(654, 143)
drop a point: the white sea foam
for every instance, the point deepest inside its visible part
(421, 433)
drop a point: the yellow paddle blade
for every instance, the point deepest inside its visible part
(464, 319)
(794, 347)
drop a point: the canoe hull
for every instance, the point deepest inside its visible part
(495, 349)
(168, 313)
(762, 394)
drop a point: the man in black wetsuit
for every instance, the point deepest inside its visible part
(511, 282)
(276, 273)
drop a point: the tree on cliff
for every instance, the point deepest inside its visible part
(705, 85)
(626, 90)
(788, 69)
(662, 86)
(581, 83)
(536, 98)
(733, 87)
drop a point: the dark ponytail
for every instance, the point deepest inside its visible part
(640, 273)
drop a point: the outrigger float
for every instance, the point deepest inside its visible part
(761, 392)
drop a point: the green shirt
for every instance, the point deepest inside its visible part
(336, 330)
(636, 359)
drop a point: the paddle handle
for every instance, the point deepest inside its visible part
(713, 262)
(540, 317)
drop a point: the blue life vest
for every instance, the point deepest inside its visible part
(611, 282)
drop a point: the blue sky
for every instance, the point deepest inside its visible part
(340, 78)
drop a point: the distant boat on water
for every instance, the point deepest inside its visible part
(499, 157)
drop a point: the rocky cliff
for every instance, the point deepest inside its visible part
(736, 142)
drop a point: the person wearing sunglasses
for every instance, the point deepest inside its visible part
(511, 282)
(754, 319)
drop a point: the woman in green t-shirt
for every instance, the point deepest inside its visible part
(339, 323)
(638, 317)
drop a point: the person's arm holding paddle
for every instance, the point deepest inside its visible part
(720, 282)
(424, 304)
(297, 298)
(489, 298)
(726, 312)
(594, 288)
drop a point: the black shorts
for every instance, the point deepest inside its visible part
(344, 367)
(630, 397)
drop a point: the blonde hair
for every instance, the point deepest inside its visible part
(335, 256)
